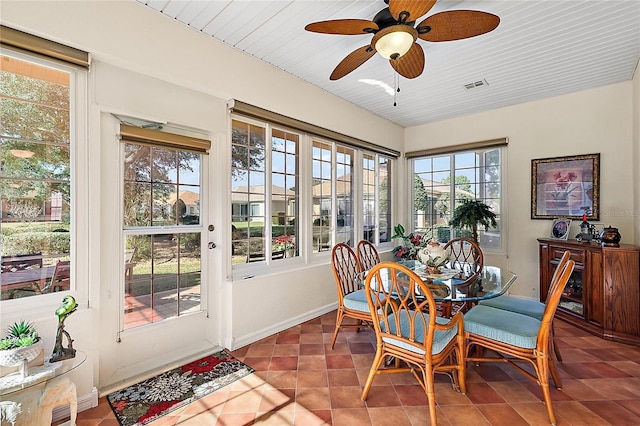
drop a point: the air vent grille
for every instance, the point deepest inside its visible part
(475, 84)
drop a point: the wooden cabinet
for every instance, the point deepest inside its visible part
(603, 293)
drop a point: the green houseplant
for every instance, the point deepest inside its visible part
(472, 213)
(20, 345)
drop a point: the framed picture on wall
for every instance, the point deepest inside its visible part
(566, 187)
(560, 229)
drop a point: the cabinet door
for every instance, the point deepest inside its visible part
(573, 297)
(594, 294)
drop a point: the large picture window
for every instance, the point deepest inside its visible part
(279, 174)
(442, 182)
(37, 134)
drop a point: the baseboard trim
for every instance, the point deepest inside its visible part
(84, 403)
(238, 342)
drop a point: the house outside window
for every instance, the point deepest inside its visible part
(38, 103)
(442, 182)
(274, 183)
(264, 192)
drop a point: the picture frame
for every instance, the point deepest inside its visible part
(560, 229)
(566, 187)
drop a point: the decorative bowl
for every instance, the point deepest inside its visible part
(16, 356)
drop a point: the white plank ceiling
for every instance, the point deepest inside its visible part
(541, 48)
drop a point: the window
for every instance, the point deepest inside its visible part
(332, 217)
(468, 175)
(37, 133)
(376, 198)
(162, 233)
(264, 192)
(343, 190)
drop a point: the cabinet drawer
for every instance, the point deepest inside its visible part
(576, 255)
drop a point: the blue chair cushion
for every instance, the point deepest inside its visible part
(504, 326)
(356, 301)
(520, 305)
(440, 339)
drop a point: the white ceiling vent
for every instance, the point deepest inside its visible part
(476, 84)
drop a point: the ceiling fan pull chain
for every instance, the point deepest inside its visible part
(396, 84)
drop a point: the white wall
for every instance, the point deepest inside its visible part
(592, 121)
(149, 66)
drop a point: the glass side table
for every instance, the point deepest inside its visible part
(14, 382)
(30, 399)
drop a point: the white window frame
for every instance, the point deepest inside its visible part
(503, 189)
(80, 181)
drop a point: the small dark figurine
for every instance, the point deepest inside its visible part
(69, 306)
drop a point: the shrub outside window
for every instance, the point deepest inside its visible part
(468, 175)
(36, 135)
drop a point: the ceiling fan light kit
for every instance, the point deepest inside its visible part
(393, 42)
(395, 34)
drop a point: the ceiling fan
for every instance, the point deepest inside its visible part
(395, 36)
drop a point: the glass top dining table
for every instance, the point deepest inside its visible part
(450, 284)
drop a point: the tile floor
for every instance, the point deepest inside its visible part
(299, 380)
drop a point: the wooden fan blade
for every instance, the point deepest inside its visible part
(456, 25)
(352, 61)
(411, 64)
(414, 8)
(343, 27)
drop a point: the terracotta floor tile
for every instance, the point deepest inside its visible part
(288, 338)
(286, 350)
(612, 412)
(312, 417)
(351, 417)
(312, 362)
(346, 397)
(339, 362)
(389, 416)
(579, 390)
(282, 379)
(575, 413)
(259, 351)
(312, 379)
(314, 398)
(343, 377)
(300, 380)
(411, 395)
(483, 393)
(284, 363)
(383, 396)
(464, 415)
(501, 415)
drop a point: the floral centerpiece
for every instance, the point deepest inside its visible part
(411, 243)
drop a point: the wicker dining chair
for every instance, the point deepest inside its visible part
(531, 308)
(399, 301)
(352, 302)
(367, 254)
(518, 338)
(466, 256)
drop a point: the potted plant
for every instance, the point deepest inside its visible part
(285, 243)
(411, 243)
(472, 213)
(20, 345)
